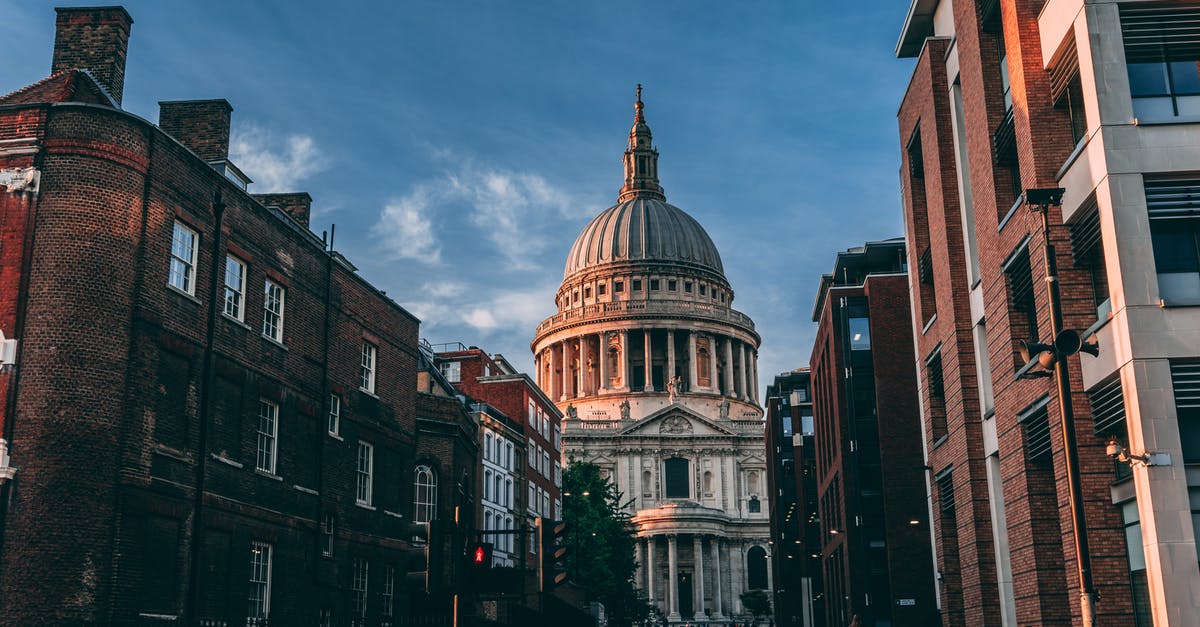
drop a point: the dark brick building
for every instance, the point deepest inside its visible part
(792, 491)
(212, 416)
(871, 489)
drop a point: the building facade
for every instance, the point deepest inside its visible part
(208, 414)
(490, 379)
(876, 562)
(656, 375)
(503, 476)
(1096, 98)
(792, 496)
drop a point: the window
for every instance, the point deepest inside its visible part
(937, 394)
(1174, 209)
(532, 411)
(587, 292)
(388, 596)
(785, 424)
(235, 287)
(366, 461)
(545, 503)
(1136, 553)
(1035, 423)
(637, 285)
(546, 464)
(273, 296)
(487, 485)
(654, 284)
(532, 451)
(1022, 305)
(1185, 378)
(672, 285)
(335, 414)
(677, 478)
(183, 259)
(327, 536)
(358, 586)
(487, 446)
(452, 370)
(928, 286)
(1163, 59)
(703, 289)
(756, 568)
(268, 435)
(753, 505)
(557, 509)
(618, 287)
(557, 438)
(508, 493)
(687, 286)
(424, 494)
(366, 374)
(860, 333)
(601, 289)
(1087, 251)
(260, 582)
(531, 505)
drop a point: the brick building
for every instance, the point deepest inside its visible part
(1097, 98)
(492, 380)
(871, 490)
(792, 492)
(210, 415)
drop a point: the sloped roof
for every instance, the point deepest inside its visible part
(74, 85)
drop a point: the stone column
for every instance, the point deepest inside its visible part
(712, 363)
(673, 577)
(753, 375)
(691, 360)
(641, 564)
(729, 391)
(565, 363)
(651, 574)
(602, 355)
(743, 372)
(625, 359)
(537, 370)
(770, 576)
(737, 560)
(649, 354)
(719, 606)
(670, 373)
(698, 559)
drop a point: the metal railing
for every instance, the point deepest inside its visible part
(681, 307)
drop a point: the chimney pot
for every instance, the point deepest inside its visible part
(95, 39)
(201, 125)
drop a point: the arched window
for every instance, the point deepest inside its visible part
(703, 367)
(487, 485)
(647, 483)
(424, 494)
(487, 449)
(756, 568)
(497, 492)
(708, 482)
(677, 478)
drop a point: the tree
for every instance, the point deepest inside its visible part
(600, 538)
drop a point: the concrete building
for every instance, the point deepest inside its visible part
(207, 414)
(1098, 98)
(874, 523)
(793, 503)
(656, 375)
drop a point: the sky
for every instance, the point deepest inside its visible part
(461, 146)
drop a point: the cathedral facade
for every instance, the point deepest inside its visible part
(656, 376)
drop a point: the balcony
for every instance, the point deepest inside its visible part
(685, 308)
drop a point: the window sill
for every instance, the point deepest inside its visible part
(173, 453)
(1080, 146)
(300, 488)
(240, 323)
(1012, 211)
(273, 341)
(940, 441)
(178, 292)
(929, 324)
(226, 461)
(388, 512)
(269, 475)
(368, 393)
(1170, 304)
(335, 436)
(366, 506)
(1167, 121)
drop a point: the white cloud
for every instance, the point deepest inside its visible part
(406, 231)
(444, 289)
(275, 163)
(509, 207)
(481, 319)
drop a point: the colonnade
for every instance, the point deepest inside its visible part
(728, 574)
(604, 362)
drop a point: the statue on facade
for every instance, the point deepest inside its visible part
(675, 425)
(572, 413)
(724, 409)
(673, 389)
(625, 409)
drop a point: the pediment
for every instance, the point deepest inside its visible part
(675, 421)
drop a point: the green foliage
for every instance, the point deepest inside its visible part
(600, 539)
(756, 602)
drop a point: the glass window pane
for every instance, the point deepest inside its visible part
(1174, 246)
(860, 334)
(787, 426)
(1133, 544)
(1189, 433)
(1185, 77)
(1156, 108)
(1148, 79)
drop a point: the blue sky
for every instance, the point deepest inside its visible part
(460, 146)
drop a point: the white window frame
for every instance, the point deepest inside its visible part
(185, 246)
(235, 288)
(267, 449)
(358, 584)
(388, 595)
(424, 509)
(328, 523)
(366, 372)
(334, 423)
(274, 300)
(453, 371)
(365, 474)
(557, 438)
(259, 598)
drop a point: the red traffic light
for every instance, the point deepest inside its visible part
(479, 555)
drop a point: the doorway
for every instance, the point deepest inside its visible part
(686, 606)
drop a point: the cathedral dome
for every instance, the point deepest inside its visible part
(643, 228)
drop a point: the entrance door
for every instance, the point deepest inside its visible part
(686, 607)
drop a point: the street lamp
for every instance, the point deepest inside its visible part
(1065, 343)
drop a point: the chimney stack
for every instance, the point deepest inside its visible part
(298, 205)
(94, 39)
(201, 125)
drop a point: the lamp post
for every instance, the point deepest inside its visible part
(1040, 201)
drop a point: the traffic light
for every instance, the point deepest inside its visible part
(552, 553)
(480, 555)
(425, 555)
